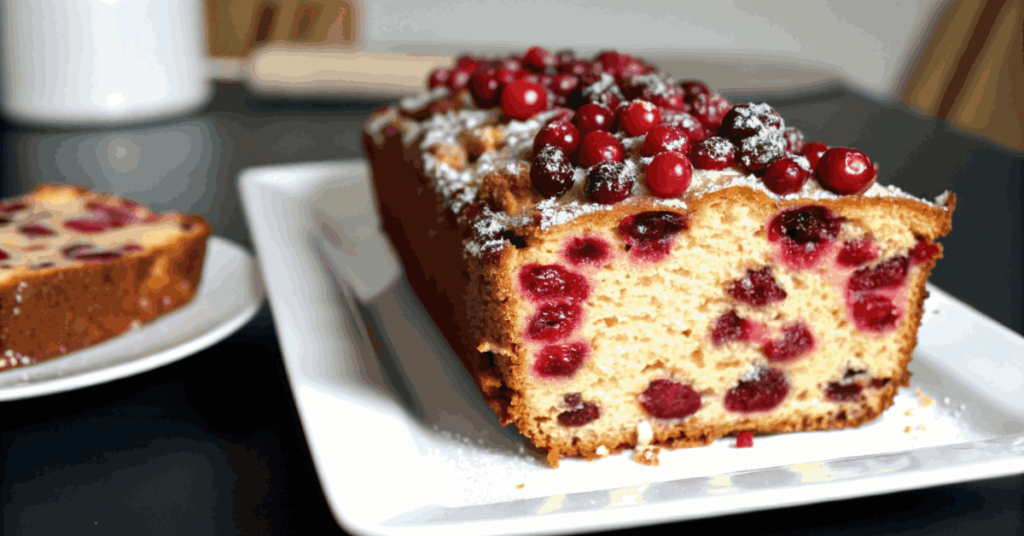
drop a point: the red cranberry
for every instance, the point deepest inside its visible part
(545, 283)
(523, 100)
(564, 56)
(761, 393)
(554, 321)
(669, 174)
(458, 78)
(872, 312)
(649, 235)
(485, 87)
(666, 399)
(593, 117)
(599, 146)
(714, 154)
(840, 392)
(857, 252)
(101, 218)
(589, 250)
(468, 63)
(438, 78)
(710, 110)
(580, 413)
(693, 88)
(886, 274)
(879, 383)
(685, 122)
(551, 172)
(560, 361)
(530, 76)
(561, 134)
(608, 182)
(664, 96)
(794, 140)
(538, 58)
(923, 252)
(758, 152)
(663, 138)
(730, 328)
(562, 84)
(87, 253)
(12, 206)
(757, 288)
(4, 255)
(744, 440)
(604, 93)
(845, 171)
(787, 175)
(803, 232)
(609, 61)
(746, 120)
(796, 341)
(34, 230)
(813, 152)
(563, 114)
(511, 65)
(638, 117)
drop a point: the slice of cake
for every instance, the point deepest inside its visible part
(78, 267)
(623, 260)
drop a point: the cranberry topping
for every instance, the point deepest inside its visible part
(693, 88)
(101, 218)
(886, 274)
(560, 360)
(664, 96)
(580, 413)
(669, 174)
(757, 288)
(787, 175)
(730, 328)
(872, 312)
(813, 152)
(4, 255)
(553, 321)
(591, 117)
(538, 58)
(843, 392)
(458, 78)
(685, 122)
(845, 171)
(666, 399)
(794, 140)
(713, 153)
(803, 232)
(744, 440)
(530, 76)
(710, 110)
(468, 63)
(609, 182)
(638, 117)
(523, 100)
(563, 84)
(649, 235)
(588, 250)
(438, 78)
(747, 120)
(561, 134)
(923, 252)
(758, 152)
(485, 87)
(551, 172)
(796, 341)
(544, 283)
(34, 230)
(663, 138)
(857, 252)
(599, 146)
(762, 393)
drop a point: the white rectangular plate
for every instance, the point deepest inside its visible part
(403, 442)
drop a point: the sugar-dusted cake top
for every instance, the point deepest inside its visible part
(58, 226)
(543, 138)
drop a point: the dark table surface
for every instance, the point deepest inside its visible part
(212, 444)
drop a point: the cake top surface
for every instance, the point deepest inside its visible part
(544, 138)
(60, 226)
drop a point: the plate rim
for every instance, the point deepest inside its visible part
(149, 361)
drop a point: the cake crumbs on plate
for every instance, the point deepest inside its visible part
(521, 486)
(925, 399)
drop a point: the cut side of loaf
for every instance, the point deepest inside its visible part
(599, 309)
(79, 267)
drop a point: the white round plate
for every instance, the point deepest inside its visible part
(230, 293)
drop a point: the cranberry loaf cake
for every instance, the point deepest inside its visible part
(624, 260)
(78, 267)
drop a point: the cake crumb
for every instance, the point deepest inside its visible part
(925, 399)
(921, 427)
(647, 456)
(745, 440)
(601, 451)
(644, 433)
(909, 412)
(520, 486)
(907, 430)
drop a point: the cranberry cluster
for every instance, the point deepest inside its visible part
(686, 126)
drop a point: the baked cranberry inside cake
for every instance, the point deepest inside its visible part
(553, 321)
(803, 233)
(730, 328)
(840, 392)
(552, 282)
(560, 360)
(872, 312)
(101, 218)
(796, 341)
(589, 250)
(649, 235)
(923, 252)
(666, 399)
(580, 412)
(886, 274)
(763, 392)
(857, 252)
(757, 288)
